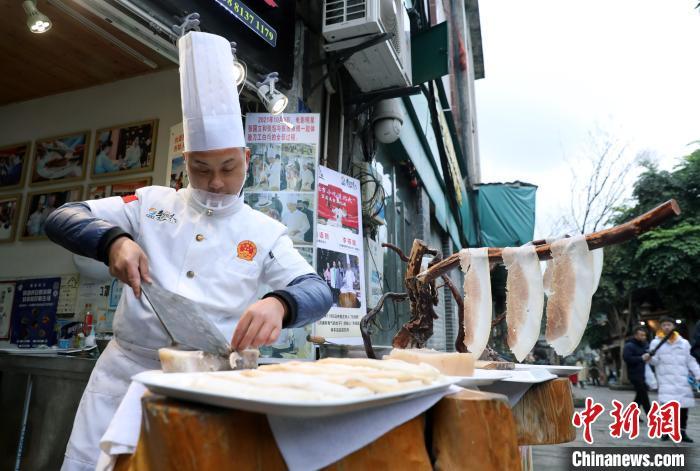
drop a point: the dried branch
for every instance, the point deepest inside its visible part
(402, 256)
(500, 318)
(369, 317)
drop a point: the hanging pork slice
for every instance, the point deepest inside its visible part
(597, 269)
(477, 299)
(575, 273)
(524, 298)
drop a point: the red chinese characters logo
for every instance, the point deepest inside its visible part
(626, 420)
(586, 418)
(665, 420)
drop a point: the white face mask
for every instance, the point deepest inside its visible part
(214, 201)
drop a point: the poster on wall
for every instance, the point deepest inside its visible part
(177, 174)
(125, 148)
(38, 207)
(281, 183)
(103, 298)
(60, 158)
(67, 296)
(13, 162)
(9, 215)
(339, 253)
(34, 312)
(123, 188)
(7, 296)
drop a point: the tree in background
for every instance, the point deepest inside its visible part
(660, 267)
(601, 174)
(668, 258)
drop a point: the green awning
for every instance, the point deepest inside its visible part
(506, 213)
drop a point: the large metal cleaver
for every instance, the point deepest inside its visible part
(186, 321)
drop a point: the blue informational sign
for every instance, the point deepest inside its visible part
(34, 312)
(249, 18)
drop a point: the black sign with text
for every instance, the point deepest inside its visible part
(263, 29)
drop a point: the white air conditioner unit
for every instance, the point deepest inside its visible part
(348, 23)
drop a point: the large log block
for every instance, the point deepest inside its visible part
(543, 415)
(474, 430)
(184, 436)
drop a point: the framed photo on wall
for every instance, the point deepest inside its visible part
(9, 215)
(13, 165)
(38, 207)
(121, 188)
(60, 158)
(127, 148)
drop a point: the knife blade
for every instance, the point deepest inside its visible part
(185, 321)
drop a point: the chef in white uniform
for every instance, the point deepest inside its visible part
(202, 242)
(296, 221)
(275, 174)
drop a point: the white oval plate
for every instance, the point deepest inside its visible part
(558, 370)
(482, 378)
(178, 385)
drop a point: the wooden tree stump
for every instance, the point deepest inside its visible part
(543, 415)
(474, 430)
(185, 436)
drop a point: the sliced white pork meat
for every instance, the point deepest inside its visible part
(477, 299)
(524, 298)
(575, 273)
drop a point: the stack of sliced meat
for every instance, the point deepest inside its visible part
(570, 280)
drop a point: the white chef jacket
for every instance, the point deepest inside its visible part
(307, 179)
(349, 282)
(275, 175)
(297, 221)
(132, 156)
(217, 258)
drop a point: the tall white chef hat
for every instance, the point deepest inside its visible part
(211, 113)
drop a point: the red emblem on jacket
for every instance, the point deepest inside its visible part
(247, 250)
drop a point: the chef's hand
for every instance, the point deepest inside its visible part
(128, 263)
(646, 357)
(260, 324)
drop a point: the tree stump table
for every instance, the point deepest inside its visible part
(474, 430)
(470, 430)
(184, 436)
(543, 414)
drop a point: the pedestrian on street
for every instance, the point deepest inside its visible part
(673, 363)
(634, 349)
(583, 374)
(695, 350)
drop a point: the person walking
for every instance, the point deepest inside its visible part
(582, 374)
(634, 349)
(594, 374)
(673, 363)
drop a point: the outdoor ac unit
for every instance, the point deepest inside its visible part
(348, 23)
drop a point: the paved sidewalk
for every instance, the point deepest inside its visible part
(555, 457)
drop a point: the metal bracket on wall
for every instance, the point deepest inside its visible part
(363, 101)
(190, 23)
(335, 60)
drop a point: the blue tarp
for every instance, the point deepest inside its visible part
(506, 213)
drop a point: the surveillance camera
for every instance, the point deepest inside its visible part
(387, 120)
